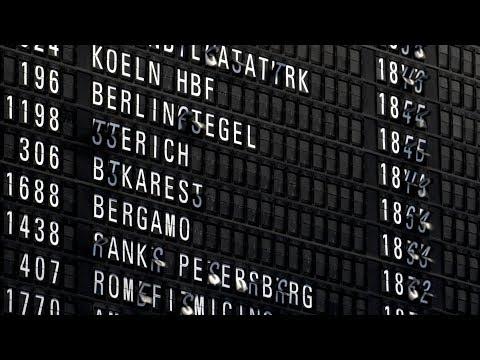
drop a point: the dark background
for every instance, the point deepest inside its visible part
(338, 250)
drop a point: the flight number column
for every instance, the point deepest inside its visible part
(35, 166)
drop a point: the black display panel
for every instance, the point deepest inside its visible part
(239, 180)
